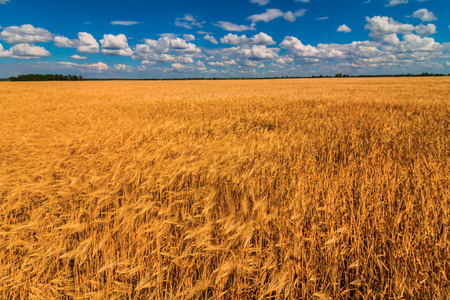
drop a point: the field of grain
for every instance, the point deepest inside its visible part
(267, 189)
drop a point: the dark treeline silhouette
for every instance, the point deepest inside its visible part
(60, 77)
(46, 77)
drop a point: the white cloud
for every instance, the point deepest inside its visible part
(122, 67)
(85, 43)
(447, 63)
(166, 49)
(26, 51)
(78, 57)
(423, 30)
(3, 1)
(188, 21)
(274, 13)
(258, 52)
(396, 2)
(424, 15)
(4, 53)
(322, 18)
(211, 39)
(380, 26)
(232, 27)
(124, 23)
(260, 2)
(245, 54)
(96, 67)
(25, 34)
(384, 26)
(116, 45)
(188, 37)
(304, 1)
(343, 28)
(258, 39)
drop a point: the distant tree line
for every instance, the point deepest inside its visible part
(46, 77)
(60, 77)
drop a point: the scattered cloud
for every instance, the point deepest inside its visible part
(3, 1)
(26, 51)
(25, 34)
(424, 15)
(274, 13)
(166, 49)
(232, 27)
(76, 56)
(322, 18)
(260, 2)
(396, 2)
(188, 37)
(258, 39)
(211, 39)
(85, 43)
(425, 30)
(380, 26)
(188, 21)
(95, 67)
(124, 23)
(122, 67)
(344, 28)
(304, 1)
(384, 26)
(116, 45)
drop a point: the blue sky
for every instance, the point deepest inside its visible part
(232, 38)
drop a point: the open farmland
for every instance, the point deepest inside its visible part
(280, 189)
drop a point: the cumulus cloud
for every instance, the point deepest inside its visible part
(425, 30)
(3, 52)
(258, 39)
(188, 37)
(424, 15)
(232, 27)
(122, 67)
(244, 55)
(384, 26)
(178, 66)
(124, 23)
(166, 49)
(25, 34)
(116, 45)
(343, 28)
(85, 43)
(258, 52)
(396, 2)
(380, 26)
(260, 2)
(95, 67)
(24, 51)
(188, 21)
(211, 39)
(274, 13)
(76, 56)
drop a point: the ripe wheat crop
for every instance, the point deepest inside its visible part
(270, 189)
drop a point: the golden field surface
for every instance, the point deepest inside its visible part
(255, 189)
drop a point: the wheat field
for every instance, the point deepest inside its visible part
(253, 189)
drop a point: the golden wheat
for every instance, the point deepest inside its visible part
(282, 189)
